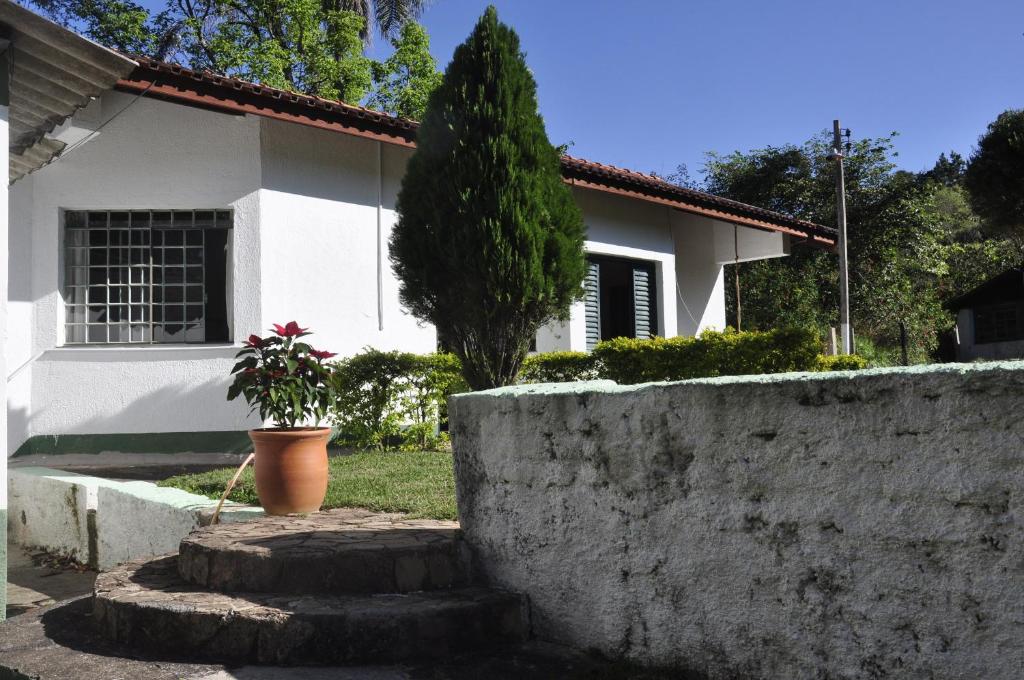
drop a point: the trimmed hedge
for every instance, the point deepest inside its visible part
(841, 362)
(559, 367)
(713, 353)
(389, 400)
(397, 400)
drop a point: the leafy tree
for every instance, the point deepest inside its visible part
(893, 252)
(389, 16)
(404, 81)
(120, 24)
(489, 241)
(995, 175)
(948, 170)
(309, 46)
(288, 44)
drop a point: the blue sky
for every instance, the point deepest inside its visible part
(649, 85)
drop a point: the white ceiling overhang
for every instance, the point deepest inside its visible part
(53, 73)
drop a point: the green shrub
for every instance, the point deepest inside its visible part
(559, 367)
(388, 400)
(713, 353)
(841, 362)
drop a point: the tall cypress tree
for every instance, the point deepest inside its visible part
(489, 242)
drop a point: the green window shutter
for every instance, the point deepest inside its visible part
(592, 303)
(644, 302)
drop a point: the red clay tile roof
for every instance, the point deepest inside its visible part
(204, 89)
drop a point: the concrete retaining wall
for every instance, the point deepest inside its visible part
(101, 522)
(841, 525)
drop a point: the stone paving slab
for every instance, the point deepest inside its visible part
(337, 551)
(148, 606)
(33, 583)
(60, 642)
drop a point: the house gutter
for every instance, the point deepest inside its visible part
(380, 236)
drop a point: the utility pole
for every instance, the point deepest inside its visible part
(844, 279)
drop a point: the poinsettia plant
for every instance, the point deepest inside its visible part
(283, 378)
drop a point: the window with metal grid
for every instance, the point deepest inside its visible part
(998, 323)
(146, 276)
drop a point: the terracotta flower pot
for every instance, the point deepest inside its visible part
(291, 468)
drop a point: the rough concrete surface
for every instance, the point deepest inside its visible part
(846, 525)
(50, 508)
(139, 519)
(36, 580)
(60, 642)
(336, 551)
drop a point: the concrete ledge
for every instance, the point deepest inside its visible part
(140, 519)
(842, 525)
(101, 522)
(50, 508)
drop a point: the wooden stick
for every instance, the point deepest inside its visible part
(231, 485)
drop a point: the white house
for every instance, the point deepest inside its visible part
(188, 210)
(990, 318)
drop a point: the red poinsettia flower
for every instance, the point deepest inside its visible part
(254, 341)
(321, 354)
(289, 330)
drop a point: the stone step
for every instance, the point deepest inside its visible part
(148, 607)
(333, 552)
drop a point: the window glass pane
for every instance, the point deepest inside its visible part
(139, 276)
(117, 313)
(169, 333)
(76, 314)
(78, 276)
(76, 295)
(173, 256)
(204, 218)
(119, 333)
(77, 257)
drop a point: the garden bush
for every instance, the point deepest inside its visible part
(841, 362)
(389, 400)
(559, 367)
(713, 353)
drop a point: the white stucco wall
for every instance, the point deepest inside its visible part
(318, 210)
(305, 247)
(968, 350)
(800, 526)
(153, 155)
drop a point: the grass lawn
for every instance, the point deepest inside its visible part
(420, 484)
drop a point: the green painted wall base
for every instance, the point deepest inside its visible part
(146, 442)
